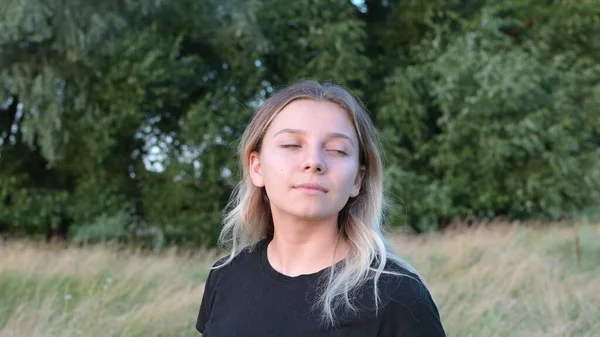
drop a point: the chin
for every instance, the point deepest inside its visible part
(306, 212)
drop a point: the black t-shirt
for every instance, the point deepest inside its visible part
(248, 298)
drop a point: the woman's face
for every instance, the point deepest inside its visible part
(309, 161)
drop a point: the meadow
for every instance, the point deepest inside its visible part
(494, 280)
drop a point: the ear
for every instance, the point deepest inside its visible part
(358, 181)
(256, 170)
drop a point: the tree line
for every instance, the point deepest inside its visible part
(119, 119)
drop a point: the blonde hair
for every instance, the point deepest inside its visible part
(248, 217)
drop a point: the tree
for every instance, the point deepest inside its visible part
(495, 124)
(128, 113)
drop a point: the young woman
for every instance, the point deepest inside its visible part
(308, 256)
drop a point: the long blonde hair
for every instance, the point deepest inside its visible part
(248, 217)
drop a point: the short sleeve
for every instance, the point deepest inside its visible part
(206, 303)
(411, 312)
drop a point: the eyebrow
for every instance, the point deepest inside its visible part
(303, 133)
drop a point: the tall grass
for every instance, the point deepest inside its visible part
(501, 280)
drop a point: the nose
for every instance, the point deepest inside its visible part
(314, 163)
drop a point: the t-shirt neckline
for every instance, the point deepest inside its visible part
(276, 275)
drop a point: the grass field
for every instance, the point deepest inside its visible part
(505, 280)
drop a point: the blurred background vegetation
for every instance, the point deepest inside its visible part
(119, 118)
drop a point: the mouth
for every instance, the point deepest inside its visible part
(311, 188)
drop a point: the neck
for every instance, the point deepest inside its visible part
(305, 246)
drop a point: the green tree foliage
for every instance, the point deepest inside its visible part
(130, 110)
(499, 121)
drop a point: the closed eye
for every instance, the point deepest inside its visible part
(285, 146)
(340, 152)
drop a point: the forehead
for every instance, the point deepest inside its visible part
(313, 117)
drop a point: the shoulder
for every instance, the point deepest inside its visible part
(402, 282)
(233, 265)
(226, 268)
(408, 307)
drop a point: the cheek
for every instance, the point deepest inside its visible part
(348, 176)
(276, 168)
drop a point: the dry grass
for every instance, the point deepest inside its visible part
(501, 280)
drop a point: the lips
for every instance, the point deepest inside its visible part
(314, 187)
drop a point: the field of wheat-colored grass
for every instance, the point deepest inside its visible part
(501, 280)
